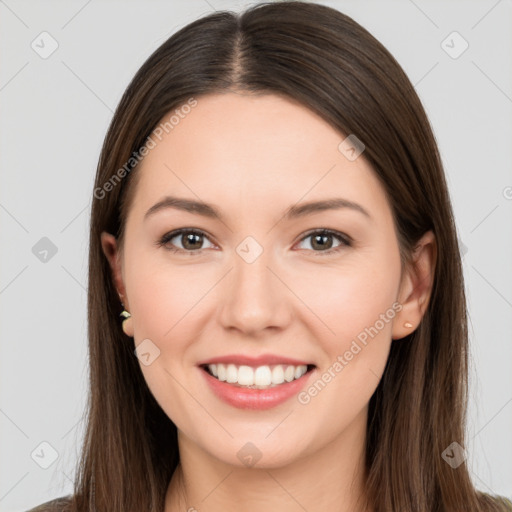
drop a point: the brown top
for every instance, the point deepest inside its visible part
(56, 505)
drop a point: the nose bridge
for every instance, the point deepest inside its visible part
(255, 298)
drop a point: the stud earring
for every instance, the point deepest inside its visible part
(127, 323)
(408, 325)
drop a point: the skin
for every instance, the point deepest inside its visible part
(253, 157)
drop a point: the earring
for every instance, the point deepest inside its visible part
(127, 323)
(408, 325)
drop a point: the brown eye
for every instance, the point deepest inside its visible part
(191, 241)
(184, 240)
(322, 241)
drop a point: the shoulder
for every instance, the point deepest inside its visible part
(57, 505)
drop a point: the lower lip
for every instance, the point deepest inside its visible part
(256, 399)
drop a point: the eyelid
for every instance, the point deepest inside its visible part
(344, 237)
(346, 241)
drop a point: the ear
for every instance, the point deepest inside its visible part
(111, 251)
(416, 286)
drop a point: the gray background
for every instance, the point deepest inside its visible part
(55, 112)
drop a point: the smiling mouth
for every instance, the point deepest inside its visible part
(261, 377)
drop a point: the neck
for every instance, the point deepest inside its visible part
(329, 479)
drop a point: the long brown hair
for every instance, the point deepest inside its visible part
(328, 62)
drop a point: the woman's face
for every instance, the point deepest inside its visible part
(257, 281)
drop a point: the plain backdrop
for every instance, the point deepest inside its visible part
(55, 112)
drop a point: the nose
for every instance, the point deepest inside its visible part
(255, 298)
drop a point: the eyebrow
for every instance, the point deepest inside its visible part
(294, 211)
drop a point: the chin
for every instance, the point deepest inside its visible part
(257, 454)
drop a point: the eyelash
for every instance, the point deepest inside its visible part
(345, 240)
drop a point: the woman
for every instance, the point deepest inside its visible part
(249, 370)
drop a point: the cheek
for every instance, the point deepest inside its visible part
(360, 309)
(358, 304)
(164, 298)
(349, 299)
(166, 302)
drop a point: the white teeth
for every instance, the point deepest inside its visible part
(231, 374)
(260, 377)
(221, 371)
(277, 375)
(289, 374)
(245, 376)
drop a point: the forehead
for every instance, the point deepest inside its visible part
(258, 150)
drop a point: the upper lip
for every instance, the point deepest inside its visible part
(262, 360)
